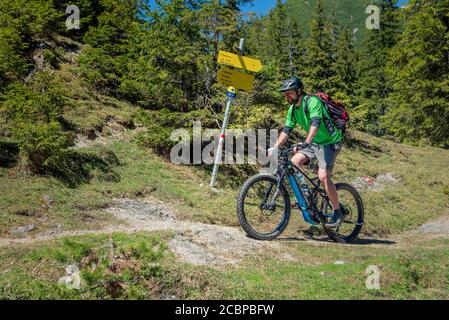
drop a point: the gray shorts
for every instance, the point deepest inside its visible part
(325, 155)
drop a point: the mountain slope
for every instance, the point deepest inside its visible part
(350, 13)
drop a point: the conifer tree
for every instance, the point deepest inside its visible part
(344, 69)
(295, 46)
(104, 61)
(419, 67)
(374, 85)
(277, 38)
(319, 52)
(164, 57)
(21, 22)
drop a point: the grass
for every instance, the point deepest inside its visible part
(89, 181)
(420, 196)
(88, 111)
(145, 269)
(415, 272)
(404, 274)
(138, 271)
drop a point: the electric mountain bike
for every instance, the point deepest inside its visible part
(264, 204)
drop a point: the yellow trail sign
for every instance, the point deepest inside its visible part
(241, 62)
(239, 80)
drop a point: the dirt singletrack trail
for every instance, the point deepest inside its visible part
(193, 242)
(205, 244)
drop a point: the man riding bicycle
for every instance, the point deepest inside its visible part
(323, 143)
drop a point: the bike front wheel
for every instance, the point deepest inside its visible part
(263, 210)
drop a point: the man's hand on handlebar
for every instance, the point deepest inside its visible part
(300, 146)
(272, 151)
(295, 148)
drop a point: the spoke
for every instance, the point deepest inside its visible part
(252, 204)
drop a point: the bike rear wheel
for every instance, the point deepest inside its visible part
(353, 210)
(261, 215)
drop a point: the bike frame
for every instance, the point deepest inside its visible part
(289, 171)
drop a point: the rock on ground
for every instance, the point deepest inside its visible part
(440, 226)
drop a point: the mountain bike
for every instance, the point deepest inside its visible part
(264, 204)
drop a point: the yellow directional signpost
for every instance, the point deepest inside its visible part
(238, 80)
(241, 62)
(234, 80)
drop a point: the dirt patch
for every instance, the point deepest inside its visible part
(377, 184)
(134, 210)
(440, 226)
(195, 243)
(187, 250)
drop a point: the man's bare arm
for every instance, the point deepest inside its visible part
(312, 133)
(281, 140)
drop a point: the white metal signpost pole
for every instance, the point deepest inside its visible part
(231, 95)
(218, 157)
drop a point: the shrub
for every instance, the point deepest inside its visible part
(157, 138)
(160, 125)
(9, 151)
(41, 144)
(32, 114)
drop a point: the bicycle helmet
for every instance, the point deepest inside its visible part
(292, 84)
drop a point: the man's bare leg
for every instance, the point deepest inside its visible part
(299, 160)
(331, 190)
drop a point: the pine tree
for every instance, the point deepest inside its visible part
(105, 60)
(374, 85)
(256, 45)
(254, 32)
(21, 22)
(319, 51)
(344, 69)
(419, 68)
(277, 39)
(295, 46)
(164, 59)
(32, 116)
(277, 45)
(89, 10)
(219, 26)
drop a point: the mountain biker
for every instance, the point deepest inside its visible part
(324, 140)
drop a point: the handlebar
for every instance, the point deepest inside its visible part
(288, 151)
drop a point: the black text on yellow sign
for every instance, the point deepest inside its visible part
(241, 62)
(236, 79)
